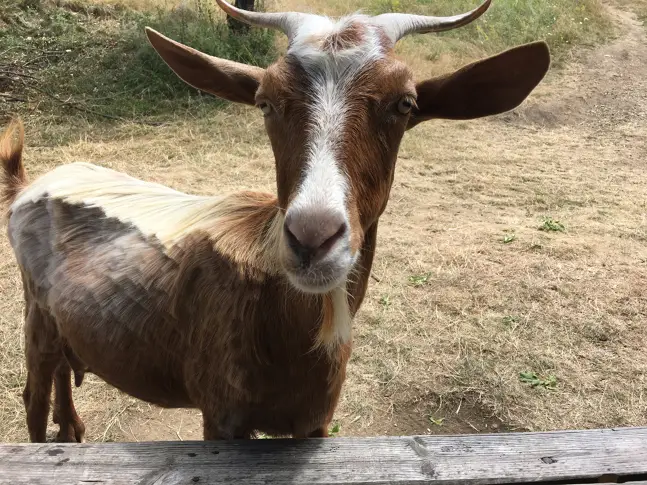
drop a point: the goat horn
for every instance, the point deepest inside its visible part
(286, 22)
(397, 25)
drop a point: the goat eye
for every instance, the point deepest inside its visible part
(404, 106)
(266, 108)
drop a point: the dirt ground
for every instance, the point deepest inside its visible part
(457, 314)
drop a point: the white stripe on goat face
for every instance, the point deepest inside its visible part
(324, 186)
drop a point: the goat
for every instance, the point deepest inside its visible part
(239, 305)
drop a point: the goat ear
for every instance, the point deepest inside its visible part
(488, 87)
(223, 78)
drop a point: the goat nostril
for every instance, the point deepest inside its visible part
(293, 240)
(330, 242)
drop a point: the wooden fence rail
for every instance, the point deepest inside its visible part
(608, 455)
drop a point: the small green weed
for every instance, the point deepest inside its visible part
(385, 301)
(334, 430)
(436, 421)
(550, 382)
(508, 238)
(510, 320)
(551, 224)
(419, 280)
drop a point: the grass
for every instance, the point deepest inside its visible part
(436, 421)
(551, 225)
(456, 314)
(98, 58)
(70, 55)
(510, 320)
(508, 238)
(385, 301)
(564, 24)
(531, 378)
(420, 279)
(639, 7)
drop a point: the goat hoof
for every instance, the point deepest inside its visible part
(65, 439)
(75, 433)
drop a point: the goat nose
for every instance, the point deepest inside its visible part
(312, 234)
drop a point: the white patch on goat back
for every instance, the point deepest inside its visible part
(330, 73)
(154, 209)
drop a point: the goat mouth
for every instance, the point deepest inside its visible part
(317, 274)
(320, 277)
(314, 282)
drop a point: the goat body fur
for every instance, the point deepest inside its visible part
(175, 299)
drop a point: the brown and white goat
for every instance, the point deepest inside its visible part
(238, 305)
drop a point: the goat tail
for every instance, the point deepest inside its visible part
(13, 177)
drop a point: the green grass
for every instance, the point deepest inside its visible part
(98, 58)
(64, 55)
(436, 421)
(551, 225)
(508, 238)
(420, 280)
(385, 301)
(549, 382)
(510, 321)
(507, 23)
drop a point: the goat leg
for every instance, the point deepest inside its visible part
(71, 428)
(41, 362)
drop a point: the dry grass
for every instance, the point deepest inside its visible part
(569, 304)
(140, 5)
(637, 6)
(458, 313)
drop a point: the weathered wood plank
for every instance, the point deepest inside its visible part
(465, 459)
